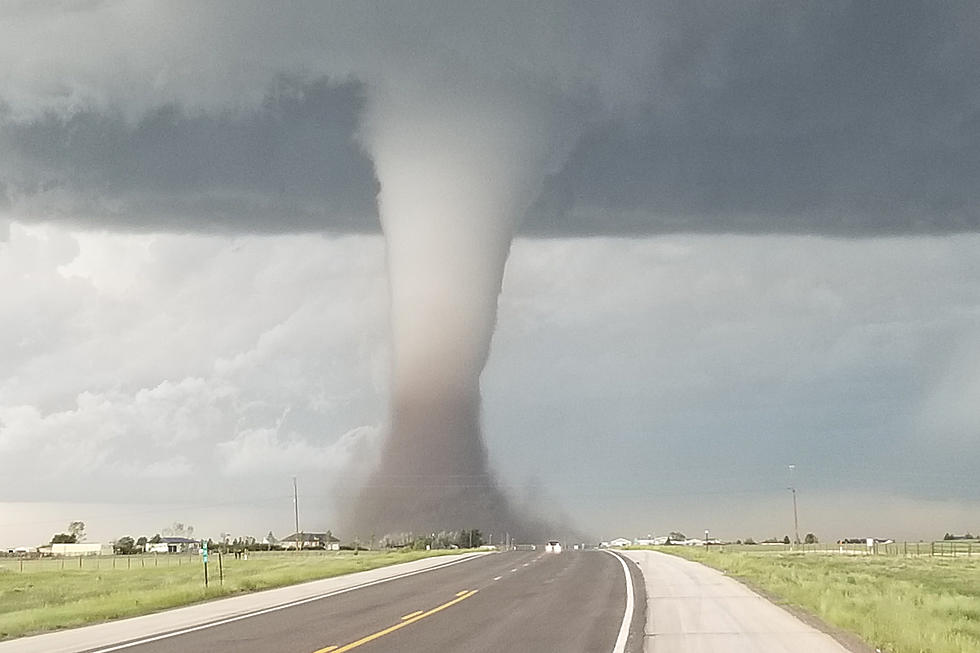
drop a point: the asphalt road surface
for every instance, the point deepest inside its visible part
(694, 609)
(571, 602)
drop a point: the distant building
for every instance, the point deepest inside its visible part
(869, 541)
(22, 550)
(618, 542)
(324, 541)
(172, 545)
(79, 549)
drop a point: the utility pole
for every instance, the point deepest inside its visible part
(796, 519)
(296, 511)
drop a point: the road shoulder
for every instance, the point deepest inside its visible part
(845, 638)
(691, 606)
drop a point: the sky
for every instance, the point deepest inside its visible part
(752, 242)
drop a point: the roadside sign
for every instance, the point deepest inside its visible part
(204, 559)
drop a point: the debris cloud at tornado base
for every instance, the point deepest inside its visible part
(457, 170)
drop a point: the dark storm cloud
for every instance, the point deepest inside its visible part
(841, 118)
(291, 164)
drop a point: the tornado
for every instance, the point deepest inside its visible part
(457, 170)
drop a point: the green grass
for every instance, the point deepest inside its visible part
(938, 548)
(902, 605)
(44, 597)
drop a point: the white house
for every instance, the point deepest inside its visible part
(618, 542)
(311, 541)
(172, 545)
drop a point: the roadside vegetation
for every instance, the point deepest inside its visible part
(40, 599)
(895, 603)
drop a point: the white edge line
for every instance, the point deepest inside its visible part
(624, 628)
(275, 608)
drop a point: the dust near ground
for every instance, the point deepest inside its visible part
(434, 475)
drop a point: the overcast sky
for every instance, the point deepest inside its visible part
(757, 246)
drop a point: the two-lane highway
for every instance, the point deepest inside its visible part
(574, 601)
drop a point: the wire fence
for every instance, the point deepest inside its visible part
(32, 564)
(96, 562)
(942, 548)
(26, 564)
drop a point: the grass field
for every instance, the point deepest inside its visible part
(45, 597)
(940, 548)
(901, 605)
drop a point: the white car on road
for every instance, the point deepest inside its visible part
(553, 546)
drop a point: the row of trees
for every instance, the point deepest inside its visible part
(462, 539)
(676, 536)
(809, 539)
(124, 545)
(75, 534)
(127, 545)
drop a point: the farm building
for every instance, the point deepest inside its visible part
(79, 549)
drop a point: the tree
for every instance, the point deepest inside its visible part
(676, 536)
(178, 529)
(271, 539)
(810, 539)
(156, 539)
(77, 528)
(469, 539)
(749, 540)
(124, 546)
(786, 539)
(63, 538)
(141, 543)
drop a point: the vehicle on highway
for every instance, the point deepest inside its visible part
(553, 546)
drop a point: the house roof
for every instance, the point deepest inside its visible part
(310, 537)
(178, 540)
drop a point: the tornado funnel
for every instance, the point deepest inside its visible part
(456, 173)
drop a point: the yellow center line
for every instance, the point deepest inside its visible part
(412, 614)
(408, 619)
(461, 592)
